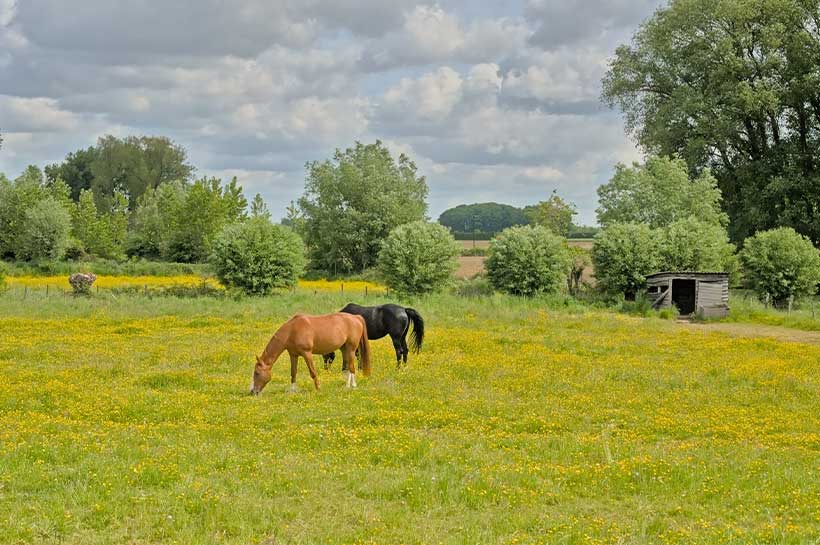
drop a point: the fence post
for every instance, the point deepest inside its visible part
(46, 290)
(365, 291)
(145, 288)
(343, 288)
(791, 300)
(25, 292)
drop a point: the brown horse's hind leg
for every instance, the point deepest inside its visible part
(349, 355)
(312, 368)
(294, 360)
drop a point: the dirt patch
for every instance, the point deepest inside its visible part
(469, 266)
(468, 244)
(784, 334)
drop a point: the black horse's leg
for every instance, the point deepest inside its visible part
(397, 346)
(329, 359)
(404, 349)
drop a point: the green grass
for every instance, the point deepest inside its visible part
(523, 421)
(746, 308)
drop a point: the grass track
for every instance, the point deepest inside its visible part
(125, 421)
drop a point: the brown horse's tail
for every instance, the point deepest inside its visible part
(364, 348)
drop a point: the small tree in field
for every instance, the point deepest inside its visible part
(781, 264)
(418, 258)
(623, 255)
(528, 261)
(257, 256)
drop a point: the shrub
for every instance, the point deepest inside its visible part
(257, 256)
(81, 283)
(46, 231)
(693, 245)
(623, 255)
(781, 263)
(528, 261)
(418, 257)
(2, 277)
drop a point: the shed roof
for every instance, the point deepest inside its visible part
(687, 273)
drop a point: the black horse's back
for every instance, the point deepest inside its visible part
(389, 319)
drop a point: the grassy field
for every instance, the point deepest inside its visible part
(127, 421)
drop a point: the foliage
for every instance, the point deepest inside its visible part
(582, 231)
(623, 255)
(478, 286)
(555, 214)
(781, 263)
(418, 258)
(731, 85)
(696, 246)
(257, 256)
(101, 235)
(658, 193)
(135, 165)
(259, 209)
(207, 208)
(154, 221)
(580, 261)
(75, 171)
(528, 261)
(487, 217)
(2, 276)
(46, 231)
(352, 203)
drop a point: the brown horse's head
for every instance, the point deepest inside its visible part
(261, 376)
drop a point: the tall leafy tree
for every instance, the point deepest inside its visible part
(136, 164)
(555, 214)
(75, 170)
(353, 201)
(659, 193)
(732, 85)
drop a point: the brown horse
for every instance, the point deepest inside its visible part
(305, 335)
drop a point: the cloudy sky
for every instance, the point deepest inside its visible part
(495, 100)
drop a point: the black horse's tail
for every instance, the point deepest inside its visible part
(418, 328)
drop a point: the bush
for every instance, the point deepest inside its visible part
(474, 287)
(781, 264)
(81, 282)
(693, 245)
(46, 231)
(528, 261)
(257, 256)
(623, 255)
(2, 277)
(418, 258)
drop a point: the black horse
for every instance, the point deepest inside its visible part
(390, 320)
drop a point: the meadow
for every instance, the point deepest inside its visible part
(127, 420)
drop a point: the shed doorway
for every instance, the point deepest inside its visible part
(683, 296)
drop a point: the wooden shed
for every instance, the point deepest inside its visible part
(704, 294)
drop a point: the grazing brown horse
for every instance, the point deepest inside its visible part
(305, 335)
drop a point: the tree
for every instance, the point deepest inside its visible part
(46, 231)
(352, 202)
(697, 246)
(258, 208)
(659, 193)
(781, 264)
(155, 219)
(75, 170)
(733, 86)
(135, 165)
(257, 256)
(623, 255)
(489, 217)
(555, 214)
(206, 210)
(418, 258)
(528, 260)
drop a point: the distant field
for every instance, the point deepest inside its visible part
(127, 421)
(469, 266)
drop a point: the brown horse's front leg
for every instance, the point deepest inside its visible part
(294, 360)
(312, 368)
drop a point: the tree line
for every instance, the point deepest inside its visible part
(485, 220)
